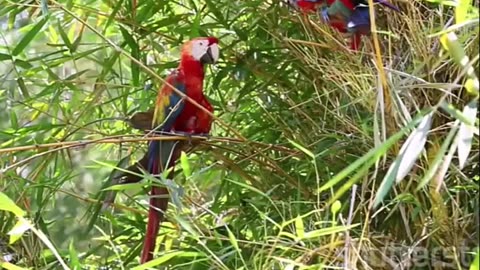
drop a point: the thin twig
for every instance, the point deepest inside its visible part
(347, 233)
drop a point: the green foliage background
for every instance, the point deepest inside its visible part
(311, 115)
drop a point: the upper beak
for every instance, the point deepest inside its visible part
(211, 56)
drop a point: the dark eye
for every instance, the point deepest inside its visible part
(201, 43)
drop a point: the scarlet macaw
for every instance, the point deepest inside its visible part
(347, 16)
(172, 114)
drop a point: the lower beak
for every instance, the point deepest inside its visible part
(207, 58)
(211, 56)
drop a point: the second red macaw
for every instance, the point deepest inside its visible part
(346, 16)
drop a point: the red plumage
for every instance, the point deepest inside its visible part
(185, 117)
(335, 12)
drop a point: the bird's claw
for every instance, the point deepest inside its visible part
(189, 135)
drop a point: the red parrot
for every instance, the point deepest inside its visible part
(174, 114)
(344, 15)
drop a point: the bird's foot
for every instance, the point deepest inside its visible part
(189, 135)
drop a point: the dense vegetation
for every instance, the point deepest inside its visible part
(312, 163)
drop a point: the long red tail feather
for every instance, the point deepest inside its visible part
(159, 195)
(158, 206)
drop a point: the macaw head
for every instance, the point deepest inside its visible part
(202, 49)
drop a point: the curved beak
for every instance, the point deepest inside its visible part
(211, 56)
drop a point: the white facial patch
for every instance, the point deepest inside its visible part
(199, 48)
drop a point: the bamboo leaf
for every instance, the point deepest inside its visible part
(435, 164)
(163, 258)
(328, 231)
(476, 262)
(303, 149)
(299, 228)
(461, 10)
(406, 158)
(10, 266)
(74, 260)
(29, 37)
(465, 134)
(374, 153)
(18, 230)
(187, 171)
(6, 204)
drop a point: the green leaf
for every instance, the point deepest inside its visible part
(187, 171)
(64, 37)
(465, 134)
(439, 157)
(23, 64)
(299, 228)
(23, 88)
(452, 45)
(10, 266)
(372, 154)
(303, 149)
(461, 10)
(13, 119)
(188, 227)
(195, 26)
(4, 57)
(29, 37)
(328, 231)
(406, 158)
(18, 230)
(125, 186)
(135, 53)
(473, 86)
(476, 262)
(6, 204)
(74, 260)
(166, 257)
(449, 108)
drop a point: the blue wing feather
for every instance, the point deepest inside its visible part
(359, 18)
(176, 105)
(160, 151)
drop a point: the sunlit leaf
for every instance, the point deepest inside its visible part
(187, 171)
(476, 262)
(18, 230)
(461, 10)
(465, 134)
(163, 258)
(435, 164)
(406, 158)
(299, 228)
(6, 204)
(327, 231)
(303, 149)
(10, 266)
